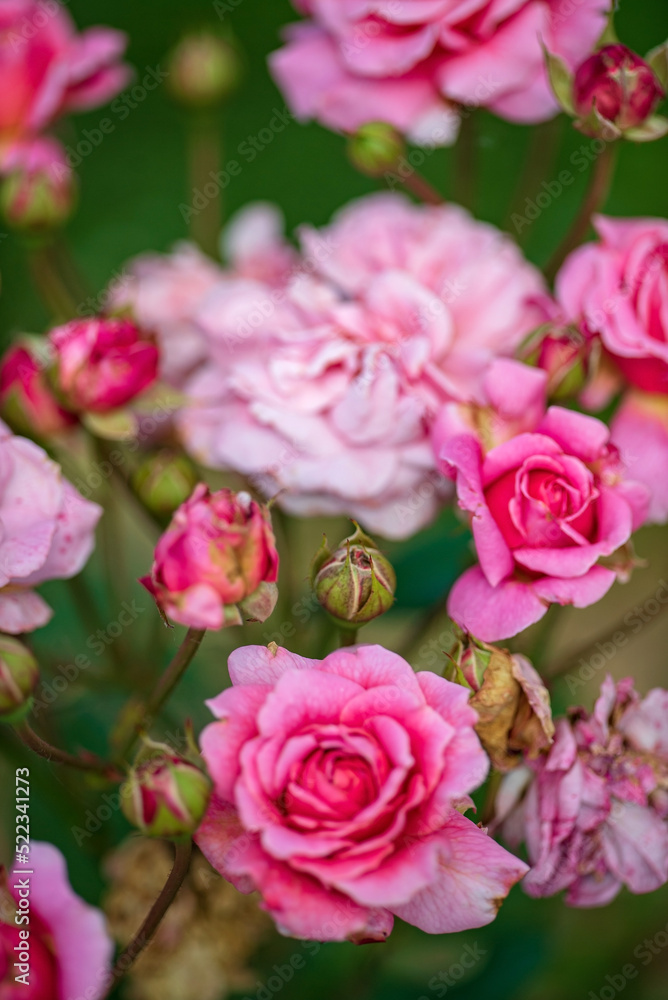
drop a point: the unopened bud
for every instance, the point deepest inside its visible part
(356, 582)
(164, 481)
(375, 148)
(19, 675)
(38, 198)
(165, 795)
(204, 69)
(565, 355)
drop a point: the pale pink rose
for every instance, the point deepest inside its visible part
(546, 505)
(48, 70)
(338, 785)
(640, 430)
(69, 949)
(47, 531)
(354, 62)
(216, 559)
(324, 391)
(102, 363)
(595, 815)
(617, 289)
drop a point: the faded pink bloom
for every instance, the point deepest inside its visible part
(48, 531)
(48, 70)
(617, 289)
(26, 398)
(324, 390)
(619, 84)
(70, 950)
(337, 790)
(216, 560)
(354, 63)
(546, 505)
(101, 364)
(640, 430)
(595, 815)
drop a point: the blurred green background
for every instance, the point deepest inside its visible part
(131, 189)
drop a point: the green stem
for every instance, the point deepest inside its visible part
(204, 154)
(595, 197)
(422, 189)
(43, 749)
(347, 636)
(182, 855)
(49, 283)
(539, 161)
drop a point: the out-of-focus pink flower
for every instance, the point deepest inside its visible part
(324, 389)
(640, 431)
(595, 815)
(101, 364)
(619, 84)
(47, 69)
(26, 399)
(337, 785)
(48, 531)
(617, 289)
(546, 505)
(354, 63)
(40, 191)
(69, 948)
(217, 556)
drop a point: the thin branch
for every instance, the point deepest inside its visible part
(89, 762)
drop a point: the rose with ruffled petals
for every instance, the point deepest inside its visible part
(47, 531)
(406, 63)
(69, 948)
(595, 814)
(47, 69)
(546, 505)
(617, 289)
(337, 785)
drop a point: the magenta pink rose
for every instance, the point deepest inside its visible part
(400, 62)
(640, 430)
(617, 289)
(69, 948)
(323, 390)
(101, 364)
(595, 815)
(338, 790)
(48, 70)
(217, 559)
(26, 398)
(48, 531)
(546, 506)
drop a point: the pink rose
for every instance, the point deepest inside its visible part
(640, 430)
(26, 398)
(217, 556)
(595, 814)
(324, 390)
(354, 63)
(101, 364)
(48, 70)
(619, 84)
(338, 785)
(48, 531)
(69, 948)
(617, 289)
(546, 505)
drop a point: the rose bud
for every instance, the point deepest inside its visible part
(165, 795)
(26, 399)
(356, 582)
(565, 354)
(19, 675)
(39, 192)
(204, 69)
(102, 364)
(619, 84)
(164, 481)
(375, 148)
(513, 704)
(216, 561)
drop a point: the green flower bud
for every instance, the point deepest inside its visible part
(165, 795)
(204, 69)
(19, 675)
(375, 148)
(164, 481)
(356, 582)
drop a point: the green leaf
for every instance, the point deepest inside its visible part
(561, 81)
(117, 425)
(657, 60)
(653, 128)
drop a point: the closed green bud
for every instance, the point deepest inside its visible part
(356, 582)
(19, 675)
(204, 69)
(165, 795)
(164, 481)
(375, 148)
